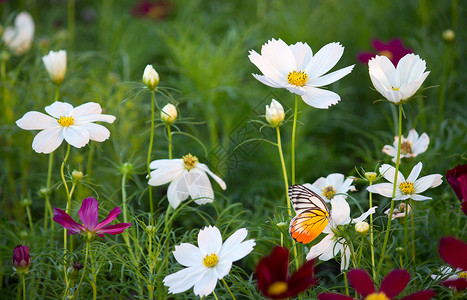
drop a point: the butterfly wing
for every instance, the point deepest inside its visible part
(312, 214)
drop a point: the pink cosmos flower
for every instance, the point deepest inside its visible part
(89, 215)
(21, 258)
(394, 50)
(454, 252)
(457, 178)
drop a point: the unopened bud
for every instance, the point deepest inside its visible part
(150, 77)
(282, 225)
(21, 259)
(25, 202)
(400, 250)
(77, 175)
(362, 228)
(371, 176)
(127, 168)
(274, 113)
(169, 114)
(449, 35)
(151, 230)
(43, 192)
(73, 270)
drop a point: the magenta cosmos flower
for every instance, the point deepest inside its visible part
(273, 277)
(457, 178)
(454, 252)
(394, 50)
(89, 215)
(21, 258)
(393, 284)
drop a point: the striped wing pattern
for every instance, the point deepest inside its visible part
(312, 214)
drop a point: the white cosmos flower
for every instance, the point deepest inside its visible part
(397, 84)
(406, 188)
(447, 273)
(275, 113)
(187, 177)
(208, 262)
(411, 146)
(296, 69)
(18, 38)
(75, 125)
(55, 63)
(332, 243)
(332, 185)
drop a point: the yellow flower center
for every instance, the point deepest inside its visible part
(66, 121)
(386, 53)
(463, 275)
(329, 192)
(395, 89)
(297, 78)
(190, 161)
(210, 261)
(406, 148)
(377, 296)
(277, 288)
(407, 188)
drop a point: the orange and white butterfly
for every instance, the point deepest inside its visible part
(312, 214)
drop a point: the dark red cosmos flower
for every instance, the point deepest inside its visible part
(393, 284)
(454, 252)
(21, 258)
(272, 273)
(394, 50)
(457, 178)
(154, 10)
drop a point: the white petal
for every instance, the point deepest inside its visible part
(188, 255)
(323, 248)
(421, 144)
(331, 77)
(417, 197)
(346, 186)
(166, 174)
(178, 189)
(75, 136)
(384, 189)
(48, 140)
(320, 184)
(268, 81)
(159, 163)
(223, 268)
(35, 120)
(214, 176)
(278, 54)
(390, 150)
(324, 60)
(90, 108)
(345, 257)
(413, 136)
(94, 118)
(59, 109)
(320, 98)
(340, 212)
(365, 214)
(184, 279)
(302, 53)
(426, 182)
(209, 240)
(96, 132)
(206, 284)
(415, 172)
(335, 180)
(199, 187)
(382, 72)
(234, 249)
(265, 67)
(411, 88)
(389, 172)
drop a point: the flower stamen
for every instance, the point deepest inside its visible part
(277, 288)
(406, 148)
(66, 121)
(463, 275)
(297, 78)
(329, 192)
(190, 161)
(386, 53)
(394, 88)
(407, 188)
(210, 261)
(377, 296)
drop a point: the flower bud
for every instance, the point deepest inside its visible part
(371, 176)
(400, 250)
(55, 63)
(21, 259)
(151, 230)
(169, 114)
(127, 168)
(449, 35)
(25, 202)
(43, 192)
(150, 77)
(77, 175)
(282, 225)
(362, 228)
(73, 270)
(274, 113)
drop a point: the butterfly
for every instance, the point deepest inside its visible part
(312, 214)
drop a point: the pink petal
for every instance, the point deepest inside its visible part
(112, 215)
(454, 252)
(394, 283)
(66, 221)
(113, 229)
(361, 282)
(89, 213)
(422, 295)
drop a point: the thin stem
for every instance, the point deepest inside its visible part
(28, 212)
(412, 208)
(125, 212)
(71, 24)
(230, 292)
(386, 236)
(57, 92)
(371, 237)
(346, 284)
(151, 139)
(48, 207)
(65, 232)
(284, 171)
(24, 287)
(215, 296)
(84, 269)
(169, 135)
(294, 129)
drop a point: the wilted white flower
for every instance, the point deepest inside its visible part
(411, 146)
(405, 189)
(208, 262)
(399, 211)
(18, 38)
(274, 113)
(296, 69)
(333, 242)
(75, 125)
(187, 177)
(55, 63)
(169, 114)
(331, 185)
(150, 77)
(397, 84)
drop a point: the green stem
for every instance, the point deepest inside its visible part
(84, 269)
(386, 236)
(371, 237)
(169, 135)
(28, 212)
(151, 139)
(215, 296)
(413, 228)
(71, 24)
(346, 284)
(406, 239)
(125, 211)
(284, 171)
(294, 129)
(230, 292)
(65, 232)
(48, 207)
(24, 287)
(57, 92)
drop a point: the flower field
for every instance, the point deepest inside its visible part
(156, 149)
